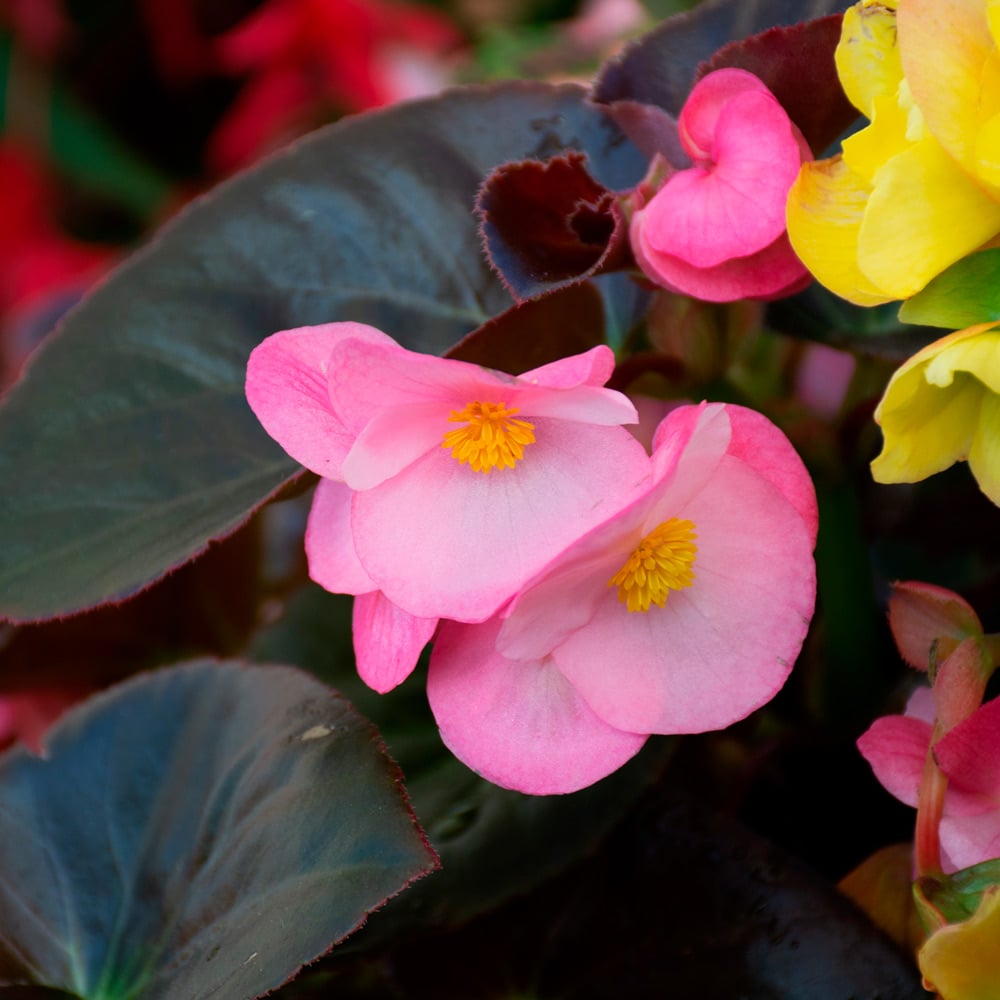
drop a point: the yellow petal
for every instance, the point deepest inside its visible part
(993, 20)
(939, 408)
(925, 429)
(962, 961)
(976, 351)
(825, 209)
(988, 153)
(866, 151)
(867, 58)
(923, 215)
(946, 47)
(984, 455)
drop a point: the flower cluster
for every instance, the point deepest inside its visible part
(583, 593)
(919, 188)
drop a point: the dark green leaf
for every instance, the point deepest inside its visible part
(678, 903)
(493, 843)
(129, 443)
(966, 294)
(200, 831)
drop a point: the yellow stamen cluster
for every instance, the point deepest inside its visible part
(661, 562)
(491, 438)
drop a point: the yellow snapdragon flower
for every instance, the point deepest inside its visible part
(919, 187)
(943, 406)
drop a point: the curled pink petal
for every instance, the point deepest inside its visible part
(519, 724)
(699, 118)
(735, 206)
(717, 229)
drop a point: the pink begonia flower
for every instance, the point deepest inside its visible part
(716, 230)
(461, 482)
(968, 755)
(682, 612)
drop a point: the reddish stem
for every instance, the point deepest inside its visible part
(930, 806)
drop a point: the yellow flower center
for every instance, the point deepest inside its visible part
(661, 562)
(491, 438)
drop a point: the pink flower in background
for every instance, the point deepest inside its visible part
(309, 56)
(716, 230)
(968, 755)
(682, 612)
(461, 482)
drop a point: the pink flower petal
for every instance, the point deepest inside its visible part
(593, 367)
(969, 754)
(333, 563)
(735, 206)
(398, 402)
(588, 404)
(699, 118)
(896, 747)
(720, 648)
(688, 445)
(392, 440)
(442, 540)
(756, 441)
(286, 387)
(387, 641)
(968, 840)
(518, 724)
(772, 273)
(367, 378)
(567, 595)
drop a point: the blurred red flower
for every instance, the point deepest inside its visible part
(307, 56)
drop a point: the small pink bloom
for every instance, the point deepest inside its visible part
(519, 723)
(716, 230)
(968, 755)
(682, 612)
(461, 482)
